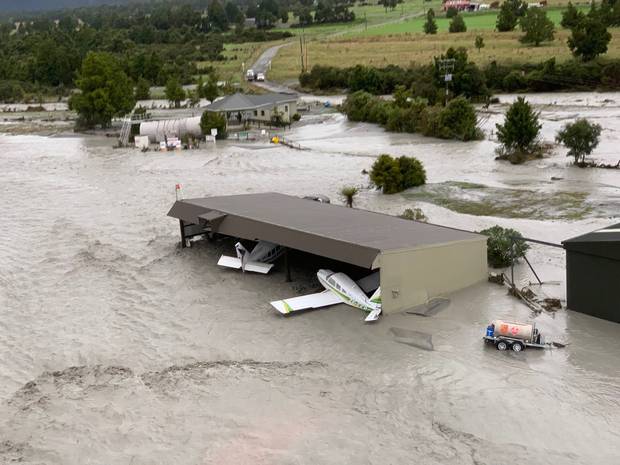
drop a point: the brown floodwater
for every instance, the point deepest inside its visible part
(119, 347)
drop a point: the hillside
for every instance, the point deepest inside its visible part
(41, 5)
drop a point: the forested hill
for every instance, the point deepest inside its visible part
(40, 5)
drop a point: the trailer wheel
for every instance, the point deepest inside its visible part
(517, 347)
(502, 345)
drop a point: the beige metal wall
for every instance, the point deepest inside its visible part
(411, 277)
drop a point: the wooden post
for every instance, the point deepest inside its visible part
(287, 265)
(182, 225)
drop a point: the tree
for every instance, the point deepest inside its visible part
(451, 12)
(458, 121)
(504, 246)
(581, 138)
(537, 27)
(143, 89)
(589, 37)
(348, 193)
(394, 175)
(105, 91)
(479, 43)
(174, 92)
(211, 120)
(571, 17)
(210, 90)
(430, 26)
(233, 13)
(521, 128)
(217, 16)
(509, 13)
(457, 24)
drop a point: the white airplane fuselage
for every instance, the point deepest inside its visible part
(347, 290)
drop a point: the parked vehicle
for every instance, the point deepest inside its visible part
(250, 75)
(260, 77)
(516, 336)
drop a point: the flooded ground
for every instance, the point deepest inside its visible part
(119, 347)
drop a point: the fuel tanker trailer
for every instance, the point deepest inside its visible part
(516, 336)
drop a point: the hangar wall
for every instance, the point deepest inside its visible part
(411, 277)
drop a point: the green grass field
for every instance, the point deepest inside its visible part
(484, 21)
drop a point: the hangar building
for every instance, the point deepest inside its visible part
(417, 261)
(593, 273)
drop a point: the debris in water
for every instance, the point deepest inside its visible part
(497, 278)
(413, 338)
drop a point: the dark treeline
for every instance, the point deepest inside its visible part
(41, 53)
(470, 80)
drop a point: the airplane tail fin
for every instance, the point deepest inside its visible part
(242, 254)
(376, 296)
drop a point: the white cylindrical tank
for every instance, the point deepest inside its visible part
(158, 130)
(514, 330)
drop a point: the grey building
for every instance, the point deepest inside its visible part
(239, 108)
(593, 273)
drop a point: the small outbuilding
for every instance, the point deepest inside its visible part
(417, 261)
(241, 108)
(593, 273)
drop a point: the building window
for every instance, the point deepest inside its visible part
(286, 108)
(262, 112)
(255, 112)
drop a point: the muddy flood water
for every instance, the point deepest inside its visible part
(118, 347)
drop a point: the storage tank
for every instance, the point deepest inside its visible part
(514, 330)
(156, 130)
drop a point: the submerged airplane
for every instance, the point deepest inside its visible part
(339, 288)
(259, 260)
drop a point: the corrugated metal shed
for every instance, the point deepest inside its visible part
(593, 273)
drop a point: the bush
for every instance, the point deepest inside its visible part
(514, 81)
(458, 121)
(393, 175)
(457, 24)
(451, 12)
(211, 120)
(519, 133)
(415, 214)
(581, 138)
(499, 243)
(296, 117)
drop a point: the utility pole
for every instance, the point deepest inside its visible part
(301, 50)
(446, 65)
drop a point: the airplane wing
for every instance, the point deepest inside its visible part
(234, 262)
(321, 299)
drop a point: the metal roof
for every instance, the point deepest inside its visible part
(603, 242)
(241, 102)
(345, 234)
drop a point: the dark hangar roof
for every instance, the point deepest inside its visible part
(603, 242)
(345, 234)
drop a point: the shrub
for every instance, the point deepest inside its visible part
(581, 138)
(457, 24)
(458, 121)
(514, 81)
(348, 193)
(415, 214)
(296, 117)
(211, 120)
(499, 243)
(451, 12)
(394, 175)
(519, 133)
